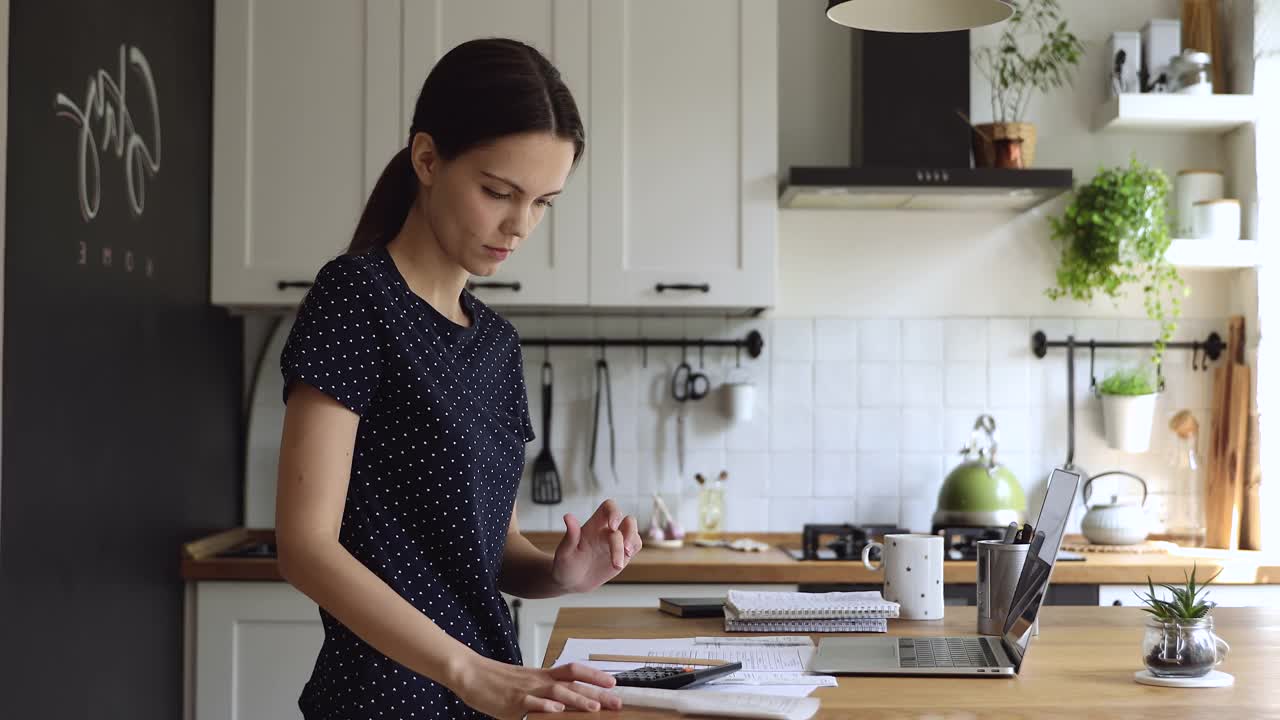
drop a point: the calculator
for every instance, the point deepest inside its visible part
(673, 677)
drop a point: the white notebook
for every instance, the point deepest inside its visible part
(772, 605)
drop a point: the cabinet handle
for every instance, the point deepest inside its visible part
(512, 286)
(700, 287)
(515, 615)
(286, 284)
(1117, 603)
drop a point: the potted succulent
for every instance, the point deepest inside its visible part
(1179, 640)
(1128, 409)
(1113, 234)
(1015, 75)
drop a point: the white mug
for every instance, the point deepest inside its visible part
(912, 566)
(739, 400)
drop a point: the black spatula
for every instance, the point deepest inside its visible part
(546, 478)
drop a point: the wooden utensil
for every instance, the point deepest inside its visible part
(1228, 444)
(1251, 513)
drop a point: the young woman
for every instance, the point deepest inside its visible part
(407, 418)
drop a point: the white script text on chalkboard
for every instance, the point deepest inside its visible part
(104, 101)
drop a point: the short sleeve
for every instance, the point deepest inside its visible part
(522, 394)
(335, 343)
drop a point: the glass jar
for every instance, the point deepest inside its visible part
(1192, 73)
(1185, 523)
(1185, 648)
(710, 506)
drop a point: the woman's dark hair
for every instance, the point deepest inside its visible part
(478, 92)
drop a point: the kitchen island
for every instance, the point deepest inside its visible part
(249, 635)
(1080, 666)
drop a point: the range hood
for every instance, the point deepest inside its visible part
(910, 147)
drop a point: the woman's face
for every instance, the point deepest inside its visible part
(484, 203)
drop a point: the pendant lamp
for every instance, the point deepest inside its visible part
(918, 16)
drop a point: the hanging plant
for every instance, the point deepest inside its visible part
(1114, 234)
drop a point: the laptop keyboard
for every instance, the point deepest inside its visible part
(944, 652)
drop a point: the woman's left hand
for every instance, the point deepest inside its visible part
(592, 554)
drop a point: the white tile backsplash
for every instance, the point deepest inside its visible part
(922, 430)
(792, 383)
(856, 419)
(879, 473)
(966, 384)
(922, 385)
(793, 339)
(880, 385)
(791, 474)
(879, 429)
(791, 428)
(880, 340)
(1009, 340)
(1009, 384)
(835, 384)
(834, 429)
(965, 340)
(834, 474)
(836, 339)
(922, 341)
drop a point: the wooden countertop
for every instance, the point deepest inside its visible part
(1080, 666)
(692, 564)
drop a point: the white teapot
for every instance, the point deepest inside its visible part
(1115, 523)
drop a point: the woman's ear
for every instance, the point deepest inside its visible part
(426, 162)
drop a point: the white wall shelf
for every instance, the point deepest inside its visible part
(1172, 112)
(1213, 254)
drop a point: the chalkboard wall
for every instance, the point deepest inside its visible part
(121, 412)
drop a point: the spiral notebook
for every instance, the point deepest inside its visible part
(833, 625)
(772, 605)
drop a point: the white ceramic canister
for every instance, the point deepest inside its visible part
(1191, 187)
(1216, 219)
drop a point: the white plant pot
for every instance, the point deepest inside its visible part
(1127, 421)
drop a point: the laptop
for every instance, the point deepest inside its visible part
(975, 656)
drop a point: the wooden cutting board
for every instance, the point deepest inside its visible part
(1228, 444)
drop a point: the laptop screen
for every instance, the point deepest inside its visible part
(1034, 580)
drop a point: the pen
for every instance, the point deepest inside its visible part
(655, 659)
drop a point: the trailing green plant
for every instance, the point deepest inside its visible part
(1128, 381)
(1013, 74)
(1185, 604)
(1114, 233)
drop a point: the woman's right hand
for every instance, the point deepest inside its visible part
(504, 690)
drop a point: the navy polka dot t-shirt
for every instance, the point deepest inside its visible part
(439, 452)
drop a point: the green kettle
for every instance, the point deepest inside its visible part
(980, 492)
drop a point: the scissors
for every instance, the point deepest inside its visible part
(688, 385)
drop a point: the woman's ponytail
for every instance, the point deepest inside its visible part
(388, 205)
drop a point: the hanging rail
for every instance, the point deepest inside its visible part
(753, 343)
(1210, 349)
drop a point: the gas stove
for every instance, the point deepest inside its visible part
(845, 542)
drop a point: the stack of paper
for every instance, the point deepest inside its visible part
(764, 611)
(770, 665)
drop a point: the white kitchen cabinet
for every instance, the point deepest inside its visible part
(551, 265)
(251, 646)
(684, 138)
(306, 116)
(1223, 595)
(255, 644)
(678, 185)
(537, 618)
